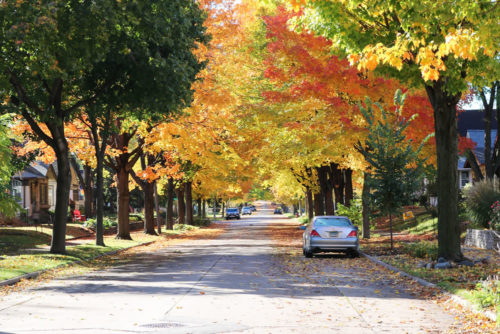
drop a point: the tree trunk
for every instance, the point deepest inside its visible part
(198, 201)
(223, 208)
(123, 229)
(326, 189)
(338, 179)
(310, 204)
(204, 214)
(149, 209)
(181, 207)
(100, 149)
(490, 158)
(214, 208)
(170, 204)
(58, 244)
(319, 204)
(390, 227)
(99, 230)
(188, 193)
(88, 192)
(365, 199)
(157, 208)
(445, 119)
(349, 194)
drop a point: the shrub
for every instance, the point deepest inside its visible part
(137, 216)
(423, 249)
(488, 292)
(495, 216)
(106, 223)
(354, 212)
(479, 199)
(303, 220)
(202, 222)
(184, 227)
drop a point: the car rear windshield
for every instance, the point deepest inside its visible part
(232, 210)
(338, 222)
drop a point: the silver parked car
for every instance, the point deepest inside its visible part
(330, 234)
(246, 210)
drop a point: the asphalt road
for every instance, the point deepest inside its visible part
(232, 284)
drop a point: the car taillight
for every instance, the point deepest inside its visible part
(314, 233)
(353, 233)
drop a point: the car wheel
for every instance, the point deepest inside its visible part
(353, 254)
(307, 253)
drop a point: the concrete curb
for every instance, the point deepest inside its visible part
(457, 299)
(35, 274)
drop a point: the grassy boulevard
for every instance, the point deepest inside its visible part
(26, 251)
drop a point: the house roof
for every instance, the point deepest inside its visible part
(473, 119)
(29, 173)
(477, 136)
(41, 167)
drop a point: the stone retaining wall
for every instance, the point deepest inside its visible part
(481, 239)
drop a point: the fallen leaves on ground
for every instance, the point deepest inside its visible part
(337, 270)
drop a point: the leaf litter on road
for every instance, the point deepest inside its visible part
(287, 242)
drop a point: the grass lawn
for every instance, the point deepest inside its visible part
(23, 250)
(72, 230)
(29, 261)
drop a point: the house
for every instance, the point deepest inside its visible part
(35, 188)
(471, 125)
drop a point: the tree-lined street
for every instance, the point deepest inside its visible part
(235, 283)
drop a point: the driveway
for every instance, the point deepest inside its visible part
(237, 283)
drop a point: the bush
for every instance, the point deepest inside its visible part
(303, 220)
(495, 216)
(478, 200)
(202, 222)
(423, 249)
(106, 223)
(488, 292)
(184, 227)
(354, 212)
(137, 216)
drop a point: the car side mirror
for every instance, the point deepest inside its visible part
(302, 227)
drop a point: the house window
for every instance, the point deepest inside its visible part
(464, 178)
(51, 195)
(43, 194)
(17, 187)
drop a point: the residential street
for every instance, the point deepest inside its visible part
(235, 283)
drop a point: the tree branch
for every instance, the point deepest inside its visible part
(36, 128)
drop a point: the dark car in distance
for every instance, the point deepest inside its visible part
(278, 211)
(232, 213)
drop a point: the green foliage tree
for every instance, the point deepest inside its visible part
(439, 45)
(61, 56)
(395, 166)
(8, 204)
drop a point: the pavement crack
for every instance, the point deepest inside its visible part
(194, 285)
